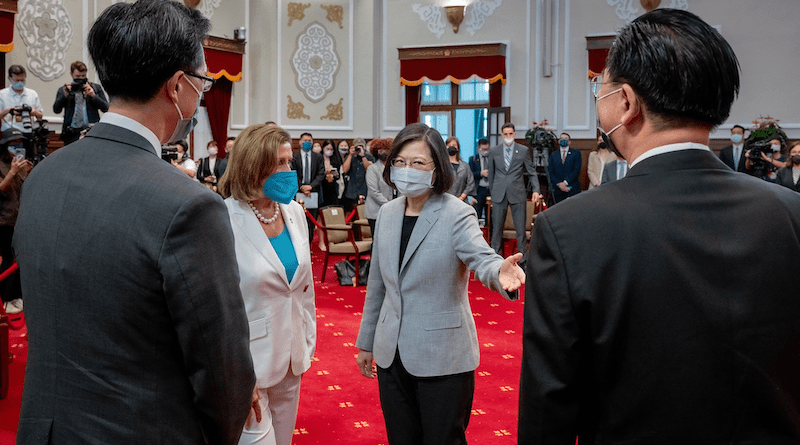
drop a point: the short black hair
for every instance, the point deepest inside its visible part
(738, 126)
(231, 138)
(306, 134)
(483, 141)
(16, 69)
(137, 47)
(681, 68)
(433, 139)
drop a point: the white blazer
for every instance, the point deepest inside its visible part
(283, 325)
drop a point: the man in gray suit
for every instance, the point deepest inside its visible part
(614, 171)
(507, 163)
(136, 334)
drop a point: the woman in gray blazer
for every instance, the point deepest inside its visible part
(463, 180)
(417, 323)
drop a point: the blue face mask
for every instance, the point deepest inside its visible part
(281, 186)
(563, 142)
(736, 138)
(18, 85)
(306, 145)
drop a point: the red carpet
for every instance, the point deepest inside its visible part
(337, 404)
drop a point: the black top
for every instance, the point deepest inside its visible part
(408, 227)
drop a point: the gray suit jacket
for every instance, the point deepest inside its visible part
(420, 306)
(138, 332)
(610, 172)
(509, 183)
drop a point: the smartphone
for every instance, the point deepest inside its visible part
(19, 154)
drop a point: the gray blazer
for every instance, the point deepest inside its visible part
(509, 183)
(610, 172)
(420, 306)
(463, 182)
(378, 191)
(138, 332)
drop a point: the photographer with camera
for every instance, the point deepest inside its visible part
(19, 105)
(355, 167)
(81, 101)
(764, 158)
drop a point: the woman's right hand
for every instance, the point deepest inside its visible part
(365, 365)
(18, 164)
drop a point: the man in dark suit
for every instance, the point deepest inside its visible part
(507, 164)
(734, 155)
(137, 335)
(662, 330)
(310, 168)
(81, 108)
(479, 164)
(614, 171)
(564, 168)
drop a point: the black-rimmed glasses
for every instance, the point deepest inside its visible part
(208, 82)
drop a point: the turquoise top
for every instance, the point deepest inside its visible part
(285, 249)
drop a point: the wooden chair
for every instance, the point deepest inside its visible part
(362, 222)
(338, 237)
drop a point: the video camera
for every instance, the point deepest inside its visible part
(35, 142)
(24, 113)
(169, 153)
(760, 167)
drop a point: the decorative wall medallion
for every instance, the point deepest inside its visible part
(477, 13)
(629, 9)
(294, 110)
(315, 62)
(46, 29)
(433, 15)
(208, 6)
(297, 12)
(335, 13)
(334, 111)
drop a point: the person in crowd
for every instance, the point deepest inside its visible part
(479, 164)
(663, 330)
(463, 181)
(597, 162)
(316, 147)
(733, 155)
(507, 164)
(81, 107)
(209, 171)
(14, 97)
(344, 150)
(614, 171)
(774, 160)
(274, 276)
(13, 171)
(333, 165)
(138, 331)
(417, 324)
(355, 167)
(184, 162)
(223, 163)
(310, 168)
(379, 192)
(564, 168)
(789, 175)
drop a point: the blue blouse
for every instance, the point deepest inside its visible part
(285, 249)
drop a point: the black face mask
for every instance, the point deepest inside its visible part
(610, 144)
(602, 145)
(796, 160)
(452, 151)
(383, 155)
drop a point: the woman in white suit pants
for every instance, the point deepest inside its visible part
(417, 323)
(274, 260)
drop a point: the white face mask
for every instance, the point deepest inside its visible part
(776, 147)
(508, 141)
(736, 138)
(212, 151)
(412, 182)
(329, 152)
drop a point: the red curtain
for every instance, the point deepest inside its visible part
(218, 105)
(412, 104)
(597, 60)
(455, 69)
(6, 32)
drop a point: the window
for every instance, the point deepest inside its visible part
(459, 110)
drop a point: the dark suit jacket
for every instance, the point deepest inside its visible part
(317, 170)
(510, 183)
(785, 178)
(663, 331)
(93, 105)
(569, 170)
(726, 156)
(204, 169)
(137, 335)
(475, 166)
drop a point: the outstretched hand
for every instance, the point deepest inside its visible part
(511, 275)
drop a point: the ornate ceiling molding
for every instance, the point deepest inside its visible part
(315, 62)
(46, 29)
(478, 12)
(432, 15)
(207, 7)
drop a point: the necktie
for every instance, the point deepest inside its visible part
(77, 115)
(507, 156)
(737, 153)
(307, 168)
(563, 156)
(622, 169)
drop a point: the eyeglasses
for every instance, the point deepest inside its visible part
(597, 83)
(208, 82)
(418, 165)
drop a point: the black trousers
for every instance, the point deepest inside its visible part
(480, 201)
(10, 287)
(425, 410)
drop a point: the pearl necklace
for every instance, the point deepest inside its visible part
(261, 217)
